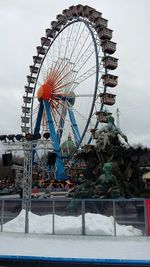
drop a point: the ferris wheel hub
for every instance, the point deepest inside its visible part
(50, 91)
(46, 89)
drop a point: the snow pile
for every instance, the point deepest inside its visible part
(95, 224)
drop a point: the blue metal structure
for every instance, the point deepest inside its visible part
(44, 107)
(75, 128)
(60, 171)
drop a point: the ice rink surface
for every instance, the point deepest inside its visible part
(84, 247)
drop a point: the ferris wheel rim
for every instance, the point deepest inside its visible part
(89, 26)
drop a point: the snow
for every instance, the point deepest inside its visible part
(95, 224)
(128, 245)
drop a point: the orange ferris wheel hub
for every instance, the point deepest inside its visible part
(45, 91)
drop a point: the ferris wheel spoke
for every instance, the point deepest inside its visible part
(86, 75)
(60, 57)
(77, 38)
(64, 66)
(55, 68)
(82, 77)
(60, 41)
(68, 62)
(59, 82)
(54, 117)
(74, 41)
(78, 113)
(72, 120)
(48, 59)
(67, 106)
(63, 105)
(51, 71)
(84, 118)
(58, 111)
(67, 40)
(59, 87)
(79, 56)
(84, 57)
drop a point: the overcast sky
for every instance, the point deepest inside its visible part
(23, 23)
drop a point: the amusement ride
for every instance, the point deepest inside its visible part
(69, 88)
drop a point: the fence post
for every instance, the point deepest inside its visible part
(114, 215)
(53, 219)
(2, 215)
(83, 217)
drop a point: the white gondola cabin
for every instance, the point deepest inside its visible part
(107, 99)
(50, 33)
(66, 12)
(25, 129)
(87, 10)
(45, 41)
(108, 47)
(25, 109)
(61, 18)
(73, 10)
(37, 59)
(56, 25)
(28, 89)
(109, 80)
(25, 119)
(34, 69)
(41, 50)
(80, 10)
(110, 63)
(101, 22)
(104, 33)
(31, 79)
(94, 15)
(27, 99)
(102, 116)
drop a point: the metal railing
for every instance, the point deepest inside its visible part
(128, 212)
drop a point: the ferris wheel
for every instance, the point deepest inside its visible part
(69, 85)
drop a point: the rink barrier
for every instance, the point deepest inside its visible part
(34, 261)
(135, 212)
